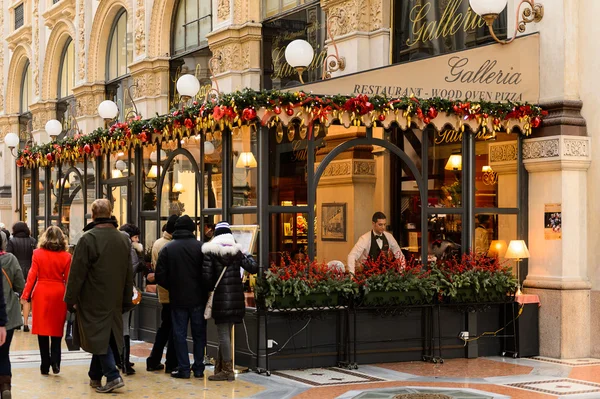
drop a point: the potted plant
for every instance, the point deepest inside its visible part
(303, 284)
(390, 281)
(474, 278)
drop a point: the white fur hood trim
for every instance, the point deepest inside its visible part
(223, 244)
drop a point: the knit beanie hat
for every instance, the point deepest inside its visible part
(222, 228)
(171, 224)
(185, 223)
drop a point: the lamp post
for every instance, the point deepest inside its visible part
(108, 110)
(517, 250)
(490, 9)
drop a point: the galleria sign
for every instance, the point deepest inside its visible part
(489, 73)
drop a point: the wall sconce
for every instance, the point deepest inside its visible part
(490, 9)
(153, 172)
(54, 128)
(299, 54)
(489, 177)
(12, 142)
(187, 87)
(178, 188)
(336, 63)
(454, 163)
(517, 250)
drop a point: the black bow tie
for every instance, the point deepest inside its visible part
(379, 237)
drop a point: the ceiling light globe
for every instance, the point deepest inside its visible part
(53, 128)
(209, 148)
(299, 53)
(488, 7)
(108, 109)
(11, 140)
(188, 85)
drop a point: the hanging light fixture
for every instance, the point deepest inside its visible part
(490, 9)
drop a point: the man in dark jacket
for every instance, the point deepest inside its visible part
(100, 289)
(21, 245)
(179, 270)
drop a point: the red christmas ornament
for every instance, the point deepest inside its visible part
(289, 111)
(536, 122)
(496, 121)
(49, 157)
(87, 149)
(188, 123)
(218, 113)
(432, 113)
(249, 114)
(143, 137)
(382, 117)
(277, 109)
(426, 120)
(19, 162)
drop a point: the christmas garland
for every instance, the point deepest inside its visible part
(269, 108)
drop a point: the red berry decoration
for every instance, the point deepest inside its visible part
(432, 113)
(290, 111)
(536, 122)
(426, 120)
(143, 137)
(277, 109)
(87, 149)
(188, 123)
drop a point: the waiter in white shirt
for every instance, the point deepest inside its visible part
(376, 241)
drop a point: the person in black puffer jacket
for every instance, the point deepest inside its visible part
(179, 270)
(228, 301)
(21, 245)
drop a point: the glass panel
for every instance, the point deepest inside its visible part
(26, 186)
(288, 236)
(213, 170)
(179, 39)
(287, 165)
(151, 172)
(288, 4)
(149, 238)
(445, 169)
(496, 178)
(271, 7)
(91, 184)
(191, 29)
(208, 225)
(245, 171)
(179, 192)
(54, 186)
(41, 211)
(113, 68)
(67, 76)
(122, 44)
(41, 225)
(119, 165)
(119, 198)
(26, 90)
(445, 232)
(73, 213)
(493, 233)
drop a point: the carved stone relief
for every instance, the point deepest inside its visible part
(231, 58)
(364, 168)
(223, 10)
(541, 149)
(338, 169)
(576, 148)
(140, 32)
(35, 33)
(81, 40)
(503, 153)
(350, 167)
(351, 16)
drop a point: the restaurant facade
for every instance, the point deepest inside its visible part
(448, 184)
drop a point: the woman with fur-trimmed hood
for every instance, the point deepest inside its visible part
(228, 301)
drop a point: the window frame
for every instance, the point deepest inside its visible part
(202, 44)
(63, 55)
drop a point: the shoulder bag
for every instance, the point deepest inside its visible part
(209, 303)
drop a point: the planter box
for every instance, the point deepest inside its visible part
(308, 301)
(387, 298)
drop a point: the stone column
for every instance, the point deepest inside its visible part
(88, 96)
(361, 29)
(8, 197)
(558, 271)
(42, 112)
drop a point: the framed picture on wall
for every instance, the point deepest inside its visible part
(245, 235)
(333, 222)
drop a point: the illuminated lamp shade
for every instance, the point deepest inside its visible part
(108, 110)
(209, 148)
(517, 249)
(246, 160)
(497, 248)
(488, 7)
(116, 173)
(486, 169)
(153, 172)
(163, 156)
(188, 85)
(299, 53)
(454, 162)
(53, 128)
(11, 140)
(178, 188)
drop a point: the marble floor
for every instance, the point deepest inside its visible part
(484, 378)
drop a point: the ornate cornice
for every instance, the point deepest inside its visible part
(347, 170)
(21, 35)
(557, 153)
(59, 10)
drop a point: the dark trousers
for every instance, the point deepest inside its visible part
(104, 365)
(164, 336)
(49, 351)
(181, 317)
(4, 354)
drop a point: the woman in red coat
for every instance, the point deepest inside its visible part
(46, 288)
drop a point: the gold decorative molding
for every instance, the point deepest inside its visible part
(63, 9)
(140, 30)
(81, 40)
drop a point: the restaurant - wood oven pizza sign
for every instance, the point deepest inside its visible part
(495, 73)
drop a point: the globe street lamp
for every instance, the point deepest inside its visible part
(53, 128)
(299, 54)
(12, 141)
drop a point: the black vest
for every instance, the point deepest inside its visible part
(374, 251)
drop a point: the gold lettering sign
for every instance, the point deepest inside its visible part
(426, 28)
(299, 151)
(455, 136)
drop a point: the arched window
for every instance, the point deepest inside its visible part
(120, 51)
(66, 79)
(193, 21)
(119, 55)
(25, 90)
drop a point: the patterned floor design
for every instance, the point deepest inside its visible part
(326, 376)
(569, 362)
(560, 387)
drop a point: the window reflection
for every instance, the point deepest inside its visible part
(444, 235)
(245, 172)
(495, 170)
(179, 190)
(151, 171)
(213, 170)
(73, 212)
(445, 169)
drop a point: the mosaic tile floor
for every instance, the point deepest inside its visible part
(485, 378)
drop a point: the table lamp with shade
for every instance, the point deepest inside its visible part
(517, 250)
(497, 249)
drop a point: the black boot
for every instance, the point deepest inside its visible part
(5, 387)
(127, 365)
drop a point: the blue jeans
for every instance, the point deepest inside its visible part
(104, 365)
(181, 317)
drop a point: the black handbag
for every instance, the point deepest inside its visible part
(71, 334)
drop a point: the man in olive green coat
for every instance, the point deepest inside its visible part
(100, 289)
